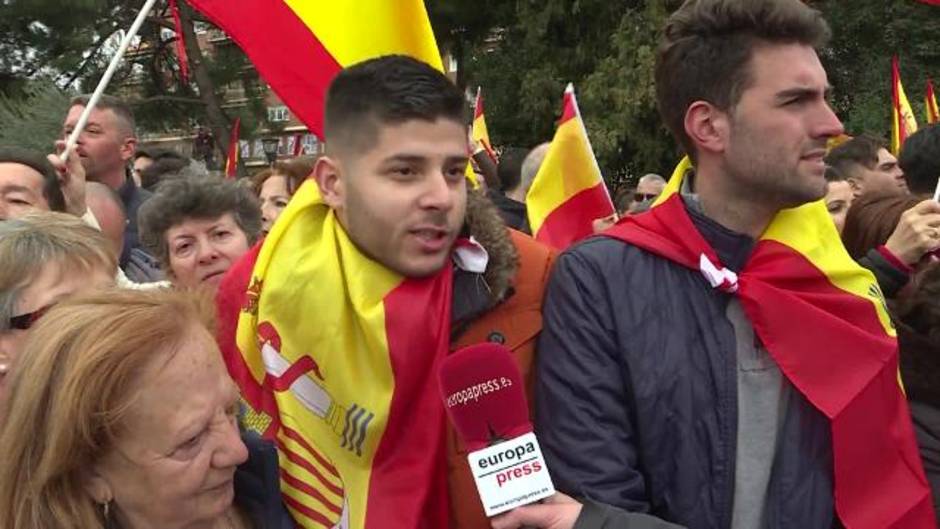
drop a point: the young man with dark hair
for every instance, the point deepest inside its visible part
(868, 166)
(106, 148)
(510, 197)
(920, 161)
(389, 198)
(674, 365)
(27, 182)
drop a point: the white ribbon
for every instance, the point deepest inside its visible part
(718, 278)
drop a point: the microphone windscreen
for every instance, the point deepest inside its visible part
(484, 394)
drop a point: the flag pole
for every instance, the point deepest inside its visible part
(105, 79)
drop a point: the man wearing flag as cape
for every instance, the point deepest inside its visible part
(381, 264)
(720, 361)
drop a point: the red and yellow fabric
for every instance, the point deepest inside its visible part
(298, 46)
(335, 356)
(903, 123)
(930, 104)
(231, 161)
(843, 357)
(480, 134)
(568, 192)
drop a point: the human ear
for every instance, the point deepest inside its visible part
(708, 127)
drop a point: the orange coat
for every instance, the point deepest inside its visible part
(516, 322)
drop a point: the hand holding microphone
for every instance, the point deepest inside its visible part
(484, 396)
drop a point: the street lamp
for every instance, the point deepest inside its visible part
(270, 149)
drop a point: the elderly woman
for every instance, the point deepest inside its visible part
(45, 257)
(276, 185)
(120, 413)
(197, 227)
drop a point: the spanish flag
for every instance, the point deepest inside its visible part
(903, 123)
(568, 192)
(298, 46)
(842, 355)
(481, 135)
(231, 161)
(930, 103)
(336, 357)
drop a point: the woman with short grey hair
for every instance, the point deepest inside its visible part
(45, 257)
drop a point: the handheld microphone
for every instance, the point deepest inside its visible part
(484, 395)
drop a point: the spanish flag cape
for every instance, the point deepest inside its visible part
(823, 320)
(335, 356)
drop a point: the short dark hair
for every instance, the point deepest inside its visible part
(179, 199)
(51, 190)
(861, 150)
(510, 168)
(834, 175)
(383, 91)
(121, 109)
(920, 160)
(165, 163)
(706, 49)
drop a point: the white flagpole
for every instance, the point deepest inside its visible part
(96, 95)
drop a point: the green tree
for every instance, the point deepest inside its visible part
(34, 117)
(866, 33)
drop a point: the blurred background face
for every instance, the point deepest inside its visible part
(202, 250)
(20, 190)
(885, 179)
(175, 462)
(403, 201)
(52, 283)
(838, 200)
(274, 197)
(104, 145)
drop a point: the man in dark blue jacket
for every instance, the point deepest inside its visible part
(653, 392)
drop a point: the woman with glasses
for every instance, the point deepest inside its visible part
(45, 257)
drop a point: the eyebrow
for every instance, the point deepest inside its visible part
(417, 158)
(14, 188)
(803, 92)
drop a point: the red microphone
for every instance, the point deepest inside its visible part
(485, 398)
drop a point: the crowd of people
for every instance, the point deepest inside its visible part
(668, 387)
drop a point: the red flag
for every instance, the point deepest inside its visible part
(231, 163)
(903, 123)
(299, 46)
(930, 102)
(568, 192)
(180, 43)
(931, 2)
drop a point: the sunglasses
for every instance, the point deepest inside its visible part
(25, 321)
(641, 197)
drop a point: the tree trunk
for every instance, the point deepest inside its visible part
(218, 121)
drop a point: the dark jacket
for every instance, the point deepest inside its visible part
(920, 371)
(132, 197)
(890, 278)
(258, 486)
(636, 392)
(599, 516)
(514, 213)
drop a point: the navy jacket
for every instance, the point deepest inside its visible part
(636, 399)
(258, 486)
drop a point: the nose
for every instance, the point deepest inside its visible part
(829, 125)
(439, 193)
(207, 252)
(231, 450)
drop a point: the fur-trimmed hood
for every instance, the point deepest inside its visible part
(484, 223)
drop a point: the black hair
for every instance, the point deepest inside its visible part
(387, 90)
(920, 160)
(510, 168)
(51, 190)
